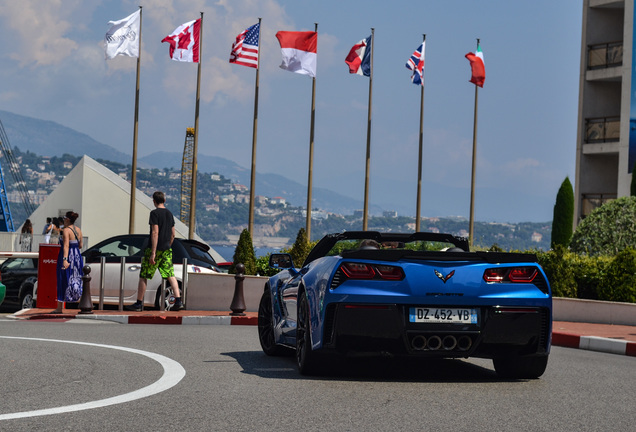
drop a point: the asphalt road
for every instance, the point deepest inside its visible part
(230, 385)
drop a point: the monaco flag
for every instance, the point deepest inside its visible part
(478, 69)
(123, 36)
(184, 42)
(299, 51)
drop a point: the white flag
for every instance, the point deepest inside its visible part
(123, 36)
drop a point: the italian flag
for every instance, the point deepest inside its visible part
(477, 67)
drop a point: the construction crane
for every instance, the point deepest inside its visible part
(8, 160)
(186, 176)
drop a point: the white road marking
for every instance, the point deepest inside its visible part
(173, 372)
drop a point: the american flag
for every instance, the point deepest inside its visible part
(416, 64)
(245, 48)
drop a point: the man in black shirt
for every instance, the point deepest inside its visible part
(158, 255)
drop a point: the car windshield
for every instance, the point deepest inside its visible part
(18, 263)
(369, 244)
(118, 247)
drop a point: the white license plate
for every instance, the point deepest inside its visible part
(443, 315)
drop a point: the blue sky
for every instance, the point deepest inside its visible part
(53, 68)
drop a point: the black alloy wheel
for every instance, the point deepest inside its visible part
(306, 358)
(266, 327)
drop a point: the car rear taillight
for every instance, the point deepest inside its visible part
(351, 270)
(522, 274)
(511, 274)
(495, 274)
(358, 271)
(390, 272)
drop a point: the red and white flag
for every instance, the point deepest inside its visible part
(299, 51)
(184, 42)
(477, 67)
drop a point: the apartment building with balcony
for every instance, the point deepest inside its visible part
(607, 105)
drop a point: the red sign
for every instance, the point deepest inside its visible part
(47, 276)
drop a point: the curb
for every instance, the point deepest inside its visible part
(149, 319)
(594, 343)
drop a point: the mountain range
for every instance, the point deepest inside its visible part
(48, 138)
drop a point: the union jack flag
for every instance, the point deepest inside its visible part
(245, 48)
(416, 64)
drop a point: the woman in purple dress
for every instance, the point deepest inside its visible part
(69, 263)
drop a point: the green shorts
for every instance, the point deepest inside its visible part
(163, 262)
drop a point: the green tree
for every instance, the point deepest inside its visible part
(244, 253)
(609, 229)
(563, 216)
(300, 249)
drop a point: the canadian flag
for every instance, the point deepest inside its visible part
(184, 42)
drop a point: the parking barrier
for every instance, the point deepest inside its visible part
(162, 297)
(184, 280)
(86, 303)
(102, 281)
(238, 301)
(122, 275)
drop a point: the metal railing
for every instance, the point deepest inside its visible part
(605, 55)
(602, 129)
(589, 202)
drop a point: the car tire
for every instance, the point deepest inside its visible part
(26, 298)
(520, 367)
(266, 327)
(169, 296)
(306, 358)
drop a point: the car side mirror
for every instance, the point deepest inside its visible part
(281, 261)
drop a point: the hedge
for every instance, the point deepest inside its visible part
(610, 278)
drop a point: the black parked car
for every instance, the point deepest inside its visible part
(19, 276)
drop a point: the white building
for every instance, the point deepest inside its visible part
(102, 200)
(606, 139)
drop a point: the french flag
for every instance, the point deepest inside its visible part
(359, 58)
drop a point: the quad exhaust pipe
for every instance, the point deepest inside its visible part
(447, 343)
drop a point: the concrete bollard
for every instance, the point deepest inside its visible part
(86, 304)
(238, 301)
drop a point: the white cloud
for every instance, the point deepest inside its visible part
(42, 29)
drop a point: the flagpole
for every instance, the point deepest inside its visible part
(419, 159)
(250, 224)
(311, 151)
(365, 215)
(133, 177)
(471, 230)
(193, 191)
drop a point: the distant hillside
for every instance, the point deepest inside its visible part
(48, 138)
(270, 185)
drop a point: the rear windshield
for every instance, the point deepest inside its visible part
(368, 244)
(198, 254)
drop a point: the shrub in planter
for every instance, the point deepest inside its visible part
(620, 282)
(557, 266)
(244, 253)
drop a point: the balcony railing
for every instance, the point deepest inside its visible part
(590, 202)
(602, 129)
(605, 55)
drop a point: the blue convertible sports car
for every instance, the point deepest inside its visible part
(421, 295)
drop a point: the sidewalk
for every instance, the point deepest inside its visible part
(615, 339)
